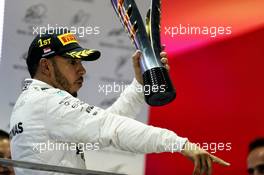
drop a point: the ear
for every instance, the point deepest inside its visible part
(45, 67)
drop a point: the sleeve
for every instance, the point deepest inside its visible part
(70, 120)
(130, 101)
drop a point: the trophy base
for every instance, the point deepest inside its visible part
(158, 89)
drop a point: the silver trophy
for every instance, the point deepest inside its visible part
(158, 88)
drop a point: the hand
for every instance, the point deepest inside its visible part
(136, 58)
(202, 159)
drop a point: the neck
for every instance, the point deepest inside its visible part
(44, 79)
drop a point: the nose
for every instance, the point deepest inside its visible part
(81, 69)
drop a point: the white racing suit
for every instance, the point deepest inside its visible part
(50, 126)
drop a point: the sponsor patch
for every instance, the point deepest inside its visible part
(26, 84)
(67, 38)
(16, 129)
(60, 93)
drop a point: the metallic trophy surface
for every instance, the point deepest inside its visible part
(158, 88)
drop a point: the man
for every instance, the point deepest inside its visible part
(48, 114)
(5, 152)
(255, 158)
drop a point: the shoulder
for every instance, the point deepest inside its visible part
(56, 92)
(40, 94)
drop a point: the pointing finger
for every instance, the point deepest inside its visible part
(219, 161)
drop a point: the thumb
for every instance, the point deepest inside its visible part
(136, 58)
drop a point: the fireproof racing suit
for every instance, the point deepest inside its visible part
(48, 126)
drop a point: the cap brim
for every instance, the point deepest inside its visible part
(83, 54)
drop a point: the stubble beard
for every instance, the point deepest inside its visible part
(62, 81)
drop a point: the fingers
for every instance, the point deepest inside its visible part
(204, 167)
(163, 54)
(207, 162)
(197, 166)
(167, 67)
(219, 161)
(209, 165)
(165, 62)
(136, 57)
(202, 164)
(203, 161)
(136, 64)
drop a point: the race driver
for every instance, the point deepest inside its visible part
(48, 111)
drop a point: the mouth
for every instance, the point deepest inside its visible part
(80, 81)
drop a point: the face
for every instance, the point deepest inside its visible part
(5, 153)
(256, 162)
(67, 74)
